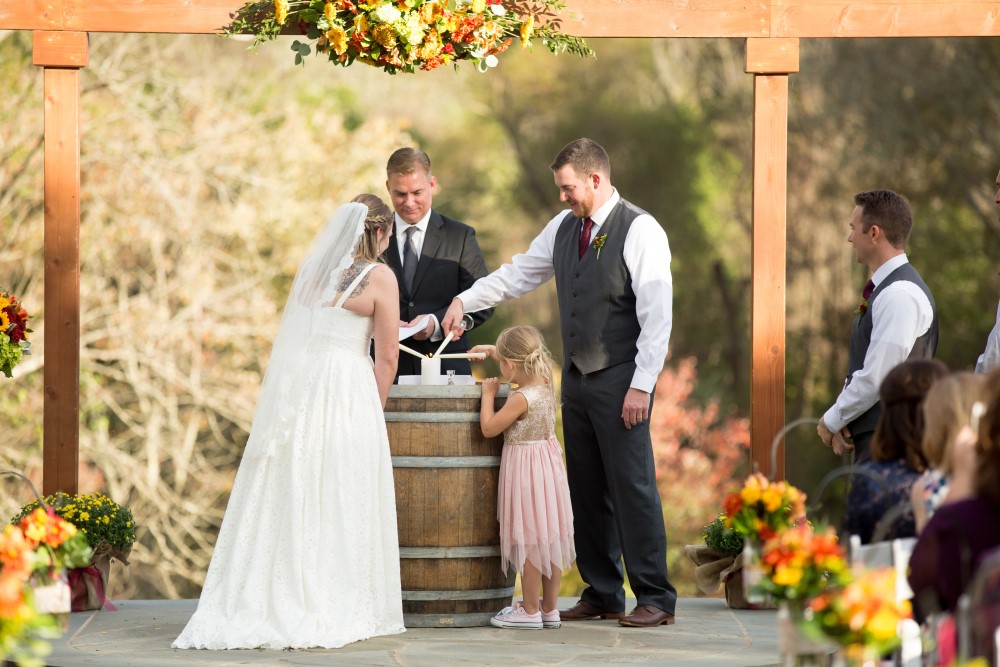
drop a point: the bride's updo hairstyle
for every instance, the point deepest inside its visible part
(524, 347)
(379, 217)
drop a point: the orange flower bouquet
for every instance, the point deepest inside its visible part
(406, 35)
(799, 564)
(13, 333)
(762, 508)
(863, 616)
(34, 554)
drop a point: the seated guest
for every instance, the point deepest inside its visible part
(880, 488)
(960, 533)
(946, 409)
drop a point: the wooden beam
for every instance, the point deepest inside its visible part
(770, 176)
(60, 49)
(586, 18)
(772, 56)
(885, 18)
(61, 419)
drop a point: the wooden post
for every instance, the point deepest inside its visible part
(62, 54)
(770, 61)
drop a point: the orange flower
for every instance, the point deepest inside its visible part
(12, 604)
(15, 551)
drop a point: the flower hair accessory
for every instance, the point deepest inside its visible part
(599, 243)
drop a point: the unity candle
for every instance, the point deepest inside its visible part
(430, 370)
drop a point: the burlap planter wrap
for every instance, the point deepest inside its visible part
(90, 584)
(713, 569)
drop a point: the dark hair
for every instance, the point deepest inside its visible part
(406, 161)
(988, 441)
(900, 430)
(586, 156)
(890, 211)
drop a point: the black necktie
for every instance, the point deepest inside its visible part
(409, 258)
(585, 235)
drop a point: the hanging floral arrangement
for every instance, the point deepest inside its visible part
(406, 35)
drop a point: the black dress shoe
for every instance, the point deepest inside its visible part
(584, 611)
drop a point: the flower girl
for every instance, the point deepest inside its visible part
(536, 520)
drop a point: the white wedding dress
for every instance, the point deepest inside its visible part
(308, 553)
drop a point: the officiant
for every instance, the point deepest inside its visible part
(434, 258)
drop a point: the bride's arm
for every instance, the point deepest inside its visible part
(385, 291)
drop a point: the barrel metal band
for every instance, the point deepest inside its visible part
(432, 417)
(485, 594)
(445, 461)
(446, 620)
(449, 552)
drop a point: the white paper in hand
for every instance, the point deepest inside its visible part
(406, 332)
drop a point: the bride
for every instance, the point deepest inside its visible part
(307, 555)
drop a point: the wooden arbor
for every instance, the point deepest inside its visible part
(772, 29)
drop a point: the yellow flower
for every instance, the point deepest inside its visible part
(361, 23)
(4, 320)
(281, 11)
(384, 35)
(337, 37)
(478, 6)
(750, 494)
(429, 11)
(527, 28)
(789, 576)
(330, 12)
(772, 499)
(84, 516)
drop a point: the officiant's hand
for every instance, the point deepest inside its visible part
(635, 409)
(452, 321)
(426, 332)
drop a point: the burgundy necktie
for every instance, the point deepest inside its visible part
(869, 288)
(585, 235)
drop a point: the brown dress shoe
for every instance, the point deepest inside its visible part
(584, 611)
(646, 616)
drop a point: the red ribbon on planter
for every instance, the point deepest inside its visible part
(79, 587)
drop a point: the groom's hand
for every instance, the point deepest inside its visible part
(452, 318)
(635, 409)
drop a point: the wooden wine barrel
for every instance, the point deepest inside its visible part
(446, 476)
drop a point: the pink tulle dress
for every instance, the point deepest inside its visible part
(536, 519)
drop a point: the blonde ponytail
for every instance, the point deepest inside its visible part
(524, 347)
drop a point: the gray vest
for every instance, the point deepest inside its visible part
(596, 302)
(861, 336)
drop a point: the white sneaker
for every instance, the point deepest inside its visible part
(517, 619)
(550, 619)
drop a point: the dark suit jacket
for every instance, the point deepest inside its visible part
(450, 261)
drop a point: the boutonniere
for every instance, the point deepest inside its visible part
(862, 307)
(599, 243)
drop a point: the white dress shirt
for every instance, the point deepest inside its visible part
(991, 357)
(647, 256)
(901, 314)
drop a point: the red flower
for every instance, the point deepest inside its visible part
(733, 504)
(448, 48)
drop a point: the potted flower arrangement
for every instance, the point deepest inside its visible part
(13, 332)
(34, 554)
(719, 562)
(109, 529)
(862, 617)
(406, 35)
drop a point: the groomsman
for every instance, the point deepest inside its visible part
(434, 258)
(611, 262)
(895, 320)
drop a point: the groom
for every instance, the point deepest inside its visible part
(611, 262)
(434, 258)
